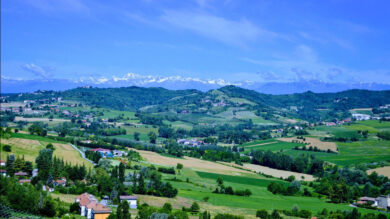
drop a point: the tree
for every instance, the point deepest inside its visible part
(167, 207)
(123, 211)
(220, 181)
(275, 215)
(50, 146)
(7, 148)
(262, 214)
(121, 172)
(205, 215)
(179, 167)
(74, 208)
(136, 136)
(195, 207)
(44, 161)
(152, 137)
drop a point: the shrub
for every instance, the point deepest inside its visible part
(7, 148)
(262, 214)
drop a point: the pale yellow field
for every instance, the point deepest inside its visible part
(189, 162)
(322, 145)
(30, 150)
(381, 171)
(68, 198)
(278, 173)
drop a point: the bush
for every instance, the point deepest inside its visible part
(166, 170)
(7, 148)
(262, 214)
(74, 208)
(228, 216)
(195, 207)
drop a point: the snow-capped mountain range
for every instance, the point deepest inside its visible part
(9, 85)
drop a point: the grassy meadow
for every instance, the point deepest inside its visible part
(30, 145)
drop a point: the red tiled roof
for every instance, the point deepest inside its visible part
(99, 208)
(20, 173)
(24, 181)
(3, 171)
(99, 149)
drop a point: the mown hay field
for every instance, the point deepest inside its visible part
(29, 148)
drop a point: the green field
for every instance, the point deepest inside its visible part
(270, 144)
(202, 184)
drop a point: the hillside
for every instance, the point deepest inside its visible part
(185, 105)
(28, 146)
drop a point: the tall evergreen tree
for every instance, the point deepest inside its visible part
(44, 163)
(121, 172)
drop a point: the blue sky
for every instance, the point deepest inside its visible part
(235, 40)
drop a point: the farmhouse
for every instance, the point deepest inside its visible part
(20, 173)
(3, 172)
(361, 117)
(383, 201)
(22, 181)
(192, 142)
(132, 200)
(60, 182)
(47, 188)
(2, 163)
(90, 208)
(118, 153)
(103, 152)
(367, 201)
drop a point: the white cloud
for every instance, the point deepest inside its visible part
(43, 72)
(237, 32)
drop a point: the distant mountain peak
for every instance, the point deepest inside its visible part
(179, 83)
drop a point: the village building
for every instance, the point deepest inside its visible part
(118, 153)
(383, 201)
(91, 208)
(103, 152)
(3, 172)
(360, 117)
(131, 199)
(22, 181)
(367, 201)
(35, 172)
(60, 182)
(47, 188)
(192, 142)
(2, 163)
(21, 173)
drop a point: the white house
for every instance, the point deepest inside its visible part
(118, 153)
(383, 201)
(131, 199)
(360, 117)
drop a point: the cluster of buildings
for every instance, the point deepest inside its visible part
(220, 103)
(381, 202)
(91, 208)
(190, 142)
(106, 153)
(344, 121)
